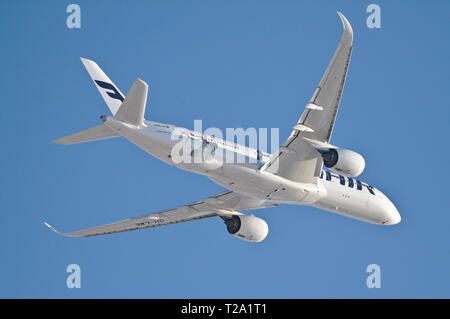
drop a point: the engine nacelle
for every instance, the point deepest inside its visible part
(342, 161)
(247, 227)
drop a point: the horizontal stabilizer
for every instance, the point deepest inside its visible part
(133, 108)
(100, 132)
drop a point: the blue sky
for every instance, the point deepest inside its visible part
(231, 64)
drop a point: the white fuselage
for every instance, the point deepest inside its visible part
(333, 192)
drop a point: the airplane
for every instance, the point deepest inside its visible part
(294, 174)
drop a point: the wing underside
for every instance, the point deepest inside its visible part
(298, 159)
(224, 205)
(320, 114)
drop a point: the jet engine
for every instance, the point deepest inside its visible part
(247, 227)
(342, 161)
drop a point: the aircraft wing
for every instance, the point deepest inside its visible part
(298, 159)
(224, 205)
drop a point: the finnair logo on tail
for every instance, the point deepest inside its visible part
(108, 86)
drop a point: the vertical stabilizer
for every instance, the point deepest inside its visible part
(110, 93)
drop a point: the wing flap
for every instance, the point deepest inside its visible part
(302, 165)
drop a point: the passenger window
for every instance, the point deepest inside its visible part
(342, 179)
(328, 176)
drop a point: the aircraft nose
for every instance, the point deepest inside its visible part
(392, 215)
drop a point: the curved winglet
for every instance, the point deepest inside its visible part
(56, 231)
(348, 31)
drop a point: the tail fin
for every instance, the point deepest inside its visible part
(133, 108)
(110, 93)
(129, 109)
(96, 133)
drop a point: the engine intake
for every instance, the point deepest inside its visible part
(343, 161)
(247, 227)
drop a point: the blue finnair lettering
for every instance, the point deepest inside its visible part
(359, 185)
(108, 86)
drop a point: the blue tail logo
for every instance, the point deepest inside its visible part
(115, 94)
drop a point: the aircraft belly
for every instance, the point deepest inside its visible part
(249, 181)
(155, 144)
